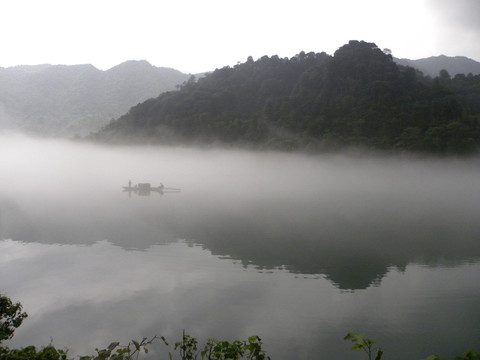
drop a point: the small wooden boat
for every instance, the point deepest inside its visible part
(147, 188)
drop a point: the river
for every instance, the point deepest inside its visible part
(297, 249)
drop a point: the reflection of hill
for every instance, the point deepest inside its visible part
(123, 224)
(352, 256)
(353, 244)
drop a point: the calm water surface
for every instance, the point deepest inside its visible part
(297, 249)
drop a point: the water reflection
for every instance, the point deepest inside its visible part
(87, 296)
(298, 249)
(353, 255)
(348, 219)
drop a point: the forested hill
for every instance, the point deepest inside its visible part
(61, 100)
(357, 97)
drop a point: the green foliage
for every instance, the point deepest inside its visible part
(11, 317)
(31, 353)
(115, 351)
(360, 342)
(187, 348)
(222, 350)
(357, 97)
(469, 355)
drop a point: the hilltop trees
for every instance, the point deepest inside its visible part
(357, 97)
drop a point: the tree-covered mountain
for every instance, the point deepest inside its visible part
(60, 100)
(357, 97)
(432, 66)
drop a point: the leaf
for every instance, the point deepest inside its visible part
(254, 338)
(136, 344)
(379, 354)
(164, 340)
(359, 340)
(113, 345)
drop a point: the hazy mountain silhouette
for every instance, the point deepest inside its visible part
(432, 66)
(61, 100)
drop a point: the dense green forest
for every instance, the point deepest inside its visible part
(313, 101)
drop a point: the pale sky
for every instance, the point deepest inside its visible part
(201, 35)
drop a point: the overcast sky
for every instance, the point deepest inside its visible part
(201, 35)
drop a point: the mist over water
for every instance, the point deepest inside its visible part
(299, 249)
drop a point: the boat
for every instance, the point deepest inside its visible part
(147, 188)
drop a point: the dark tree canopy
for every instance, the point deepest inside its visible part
(357, 97)
(11, 317)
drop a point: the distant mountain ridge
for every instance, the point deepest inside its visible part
(67, 100)
(432, 65)
(64, 100)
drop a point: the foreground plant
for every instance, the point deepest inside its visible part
(115, 351)
(11, 317)
(248, 349)
(360, 342)
(32, 353)
(187, 349)
(469, 355)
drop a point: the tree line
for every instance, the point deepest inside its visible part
(357, 97)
